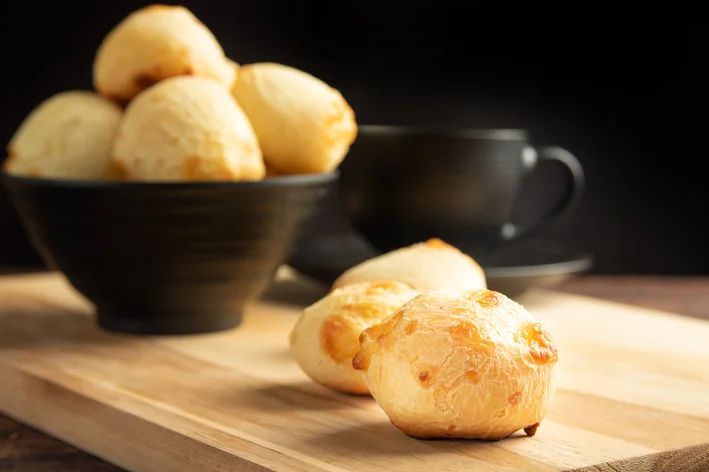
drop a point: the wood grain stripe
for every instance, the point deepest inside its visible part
(688, 459)
(649, 427)
(151, 446)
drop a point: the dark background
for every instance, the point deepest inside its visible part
(625, 92)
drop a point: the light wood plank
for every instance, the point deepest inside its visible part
(633, 386)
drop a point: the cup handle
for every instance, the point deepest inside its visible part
(567, 202)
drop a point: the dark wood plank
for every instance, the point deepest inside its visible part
(689, 459)
(25, 449)
(684, 295)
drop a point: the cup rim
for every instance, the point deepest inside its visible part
(501, 134)
(274, 181)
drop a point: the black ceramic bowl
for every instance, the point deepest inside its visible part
(167, 258)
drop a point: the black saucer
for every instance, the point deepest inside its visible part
(512, 269)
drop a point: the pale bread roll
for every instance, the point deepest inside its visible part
(155, 43)
(325, 337)
(187, 129)
(304, 125)
(233, 71)
(461, 364)
(424, 266)
(67, 136)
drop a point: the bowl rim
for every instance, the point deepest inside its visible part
(274, 181)
(501, 134)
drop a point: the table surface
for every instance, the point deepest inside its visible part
(25, 449)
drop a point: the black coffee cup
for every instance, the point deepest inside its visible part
(402, 185)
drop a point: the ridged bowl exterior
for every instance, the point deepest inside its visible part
(168, 258)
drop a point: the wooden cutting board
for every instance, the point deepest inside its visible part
(632, 383)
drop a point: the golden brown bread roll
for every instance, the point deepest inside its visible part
(187, 128)
(67, 136)
(155, 43)
(325, 337)
(461, 364)
(304, 126)
(271, 172)
(423, 266)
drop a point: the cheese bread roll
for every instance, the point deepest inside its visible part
(325, 337)
(460, 364)
(304, 125)
(187, 129)
(68, 136)
(155, 43)
(423, 266)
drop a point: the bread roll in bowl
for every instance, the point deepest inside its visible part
(233, 71)
(460, 364)
(304, 125)
(271, 172)
(326, 336)
(424, 266)
(187, 129)
(155, 43)
(68, 136)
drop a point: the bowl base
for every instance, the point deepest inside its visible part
(169, 323)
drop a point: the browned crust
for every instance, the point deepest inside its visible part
(531, 430)
(540, 346)
(338, 339)
(143, 80)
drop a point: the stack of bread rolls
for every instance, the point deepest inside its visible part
(441, 354)
(169, 105)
